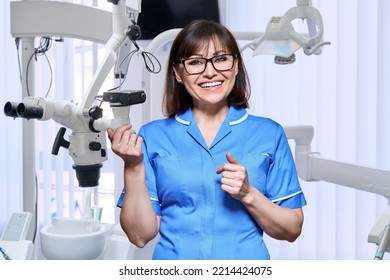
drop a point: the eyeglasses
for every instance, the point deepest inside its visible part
(222, 62)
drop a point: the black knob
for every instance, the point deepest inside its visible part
(95, 146)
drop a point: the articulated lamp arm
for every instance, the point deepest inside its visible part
(311, 166)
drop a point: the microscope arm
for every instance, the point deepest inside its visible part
(120, 22)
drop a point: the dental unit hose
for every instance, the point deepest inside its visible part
(383, 243)
(5, 255)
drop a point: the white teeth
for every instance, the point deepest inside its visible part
(213, 84)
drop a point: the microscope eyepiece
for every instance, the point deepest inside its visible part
(29, 111)
(10, 109)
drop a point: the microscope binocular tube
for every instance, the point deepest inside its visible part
(21, 110)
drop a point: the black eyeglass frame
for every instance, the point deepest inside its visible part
(182, 61)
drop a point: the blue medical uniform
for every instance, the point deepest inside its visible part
(198, 219)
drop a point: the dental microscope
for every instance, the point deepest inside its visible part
(87, 143)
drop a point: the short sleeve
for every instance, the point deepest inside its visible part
(150, 176)
(283, 185)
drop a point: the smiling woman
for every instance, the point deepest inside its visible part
(200, 76)
(205, 42)
(193, 166)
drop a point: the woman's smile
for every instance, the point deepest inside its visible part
(210, 84)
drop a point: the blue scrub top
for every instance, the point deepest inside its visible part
(198, 219)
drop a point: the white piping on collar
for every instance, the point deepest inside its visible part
(180, 120)
(240, 120)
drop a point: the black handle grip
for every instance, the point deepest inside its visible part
(60, 141)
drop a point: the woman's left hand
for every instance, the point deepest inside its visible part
(234, 178)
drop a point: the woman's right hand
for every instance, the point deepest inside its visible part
(126, 144)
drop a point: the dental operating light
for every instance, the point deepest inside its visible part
(281, 39)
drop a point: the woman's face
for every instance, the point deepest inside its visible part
(211, 87)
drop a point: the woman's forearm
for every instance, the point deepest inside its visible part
(278, 222)
(137, 217)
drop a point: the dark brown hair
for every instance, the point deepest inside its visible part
(193, 37)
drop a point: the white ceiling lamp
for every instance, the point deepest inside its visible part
(281, 39)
